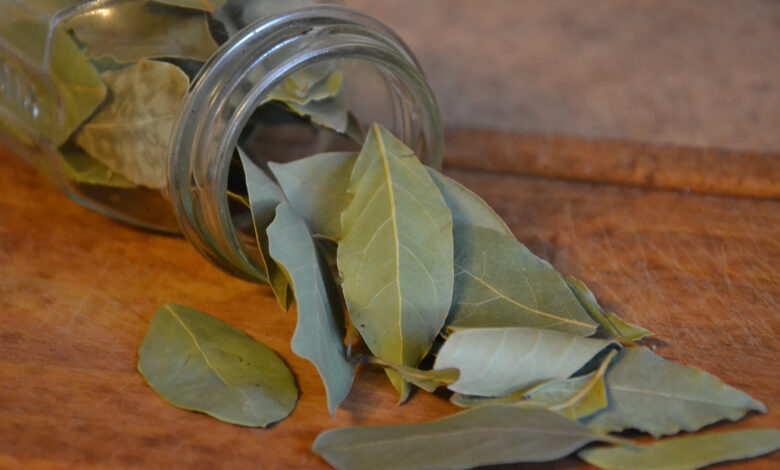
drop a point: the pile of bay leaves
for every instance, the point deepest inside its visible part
(123, 69)
(378, 246)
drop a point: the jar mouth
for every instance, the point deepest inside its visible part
(241, 76)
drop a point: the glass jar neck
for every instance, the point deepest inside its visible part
(240, 77)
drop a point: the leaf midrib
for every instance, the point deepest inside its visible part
(388, 177)
(200, 350)
(520, 305)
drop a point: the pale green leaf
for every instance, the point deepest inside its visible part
(467, 208)
(428, 380)
(316, 188)
(395, 253)
(650, 394)
(481, 436)
(130, 134)
(498, 361)
(575, 398)
(264, 196)
(500, 283)
(136, 29)
(318, 336)
(610, 324)
(81, 168)
(200, 363)
(205, 5)
(686, 453)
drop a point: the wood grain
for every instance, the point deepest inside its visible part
(699, 170)
(77, 291)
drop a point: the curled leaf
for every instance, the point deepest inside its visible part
(264, 197)
(498, 361)
(610, 325)
(575, 398)
(318, 335)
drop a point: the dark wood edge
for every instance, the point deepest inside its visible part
(699, 170)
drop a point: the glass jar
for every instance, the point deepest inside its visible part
(178, 84)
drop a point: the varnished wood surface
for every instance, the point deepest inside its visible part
(77, 291)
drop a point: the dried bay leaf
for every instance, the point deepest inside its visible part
(498, 361)
(609, 323)
(264, 197)
(686, 453)
(130, 134)
(198, 362)
(316, 188)
(395, 253)
(318, 335)
(467, 208)
(480, 436)
(575, 398)
(205, 5)
(428, 380)
(498, 281)
(137, 29)
(77, 84)
(660, 397)
(81, 168)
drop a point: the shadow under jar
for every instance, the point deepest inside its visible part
(135, 108)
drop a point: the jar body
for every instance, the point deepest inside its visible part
(134, 107)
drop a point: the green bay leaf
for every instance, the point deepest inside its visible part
(660, 397)
(318, 335)
(686, 453)
(136, 29)
(610, 325)
(264, 197)
(130, 134)
(198, 362)
(481, 436)
(498, 361)
(467, 208)
(81, 168)
(500, 283)
(395, 253)
(204, 5)
(316, 188)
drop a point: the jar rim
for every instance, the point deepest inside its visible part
(211, 120)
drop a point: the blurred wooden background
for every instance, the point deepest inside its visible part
(698, 72)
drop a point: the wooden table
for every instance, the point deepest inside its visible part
(685, 242)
